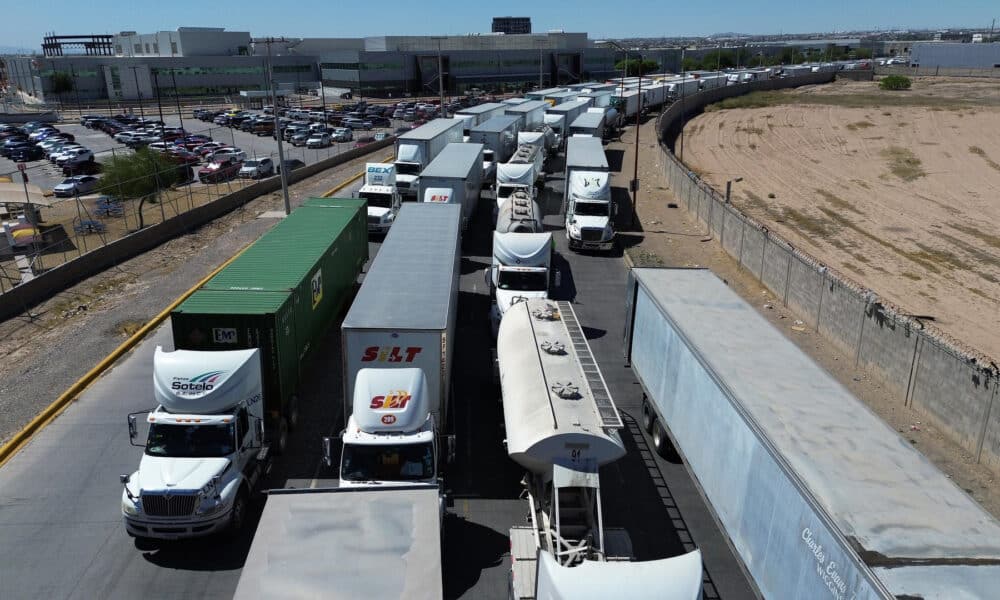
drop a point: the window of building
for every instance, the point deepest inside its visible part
(156, 48)
(118, 49)
(344, 66)
(147, 48)
(173, 47)
(137, 48)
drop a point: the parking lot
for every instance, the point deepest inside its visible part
(46, 175)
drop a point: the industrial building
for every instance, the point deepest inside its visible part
(195, 61)
(955, 55)
(511, 25)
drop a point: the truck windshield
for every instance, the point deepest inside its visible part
(408, 168)
(191, 440)
(397, 462)
(523, 281)
(378, 200)
(593, 209)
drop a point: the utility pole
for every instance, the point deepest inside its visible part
(635, 168)
(282, 171)
(138, 91)
(159, 106)
(177, 100)
(440, 75)
(322, 94)
(76, 89)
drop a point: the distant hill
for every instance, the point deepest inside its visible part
(16, 50)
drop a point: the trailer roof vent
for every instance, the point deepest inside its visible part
(554, 347)
(565, 390)
(547, 313)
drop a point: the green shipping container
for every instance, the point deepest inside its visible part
(281, 295)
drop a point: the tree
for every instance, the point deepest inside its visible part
(632, 66)
(62, 82)
(140, 175)
(894, 82)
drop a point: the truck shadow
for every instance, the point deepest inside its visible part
(471, 549)
(563, 276)
(626, 219)
(615, 159)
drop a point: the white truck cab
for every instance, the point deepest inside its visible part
(382, 196)
(391, 435)
(204, 453)
(522, 264)
(590, 211)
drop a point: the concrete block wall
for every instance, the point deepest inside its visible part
(21, 298)
(956, 389)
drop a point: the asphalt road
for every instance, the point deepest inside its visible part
(60, 529)
(46, 175)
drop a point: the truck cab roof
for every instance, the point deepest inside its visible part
(194, 382)
(390, 401)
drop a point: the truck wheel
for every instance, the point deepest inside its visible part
(647, 417)
(293, 412)
(238, 516)
(662, 444)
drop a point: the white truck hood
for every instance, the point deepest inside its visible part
(378, 211)
(590, 221)
(158, 473)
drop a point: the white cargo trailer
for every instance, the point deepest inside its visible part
(455, 177)
(557, 123)
(655, 95)
(626, 103)
(569, 111)
(499, 139)
(541, 94)
(588, 124)
(819, 496)
(532, 111)
(416, 149)
(557, 98)
(713, 81)
(479, 114)
(598, 99)
(682, 88)
(346, 543)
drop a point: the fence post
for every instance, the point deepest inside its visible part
(918, 349)
(788, 276)
(861, 334)
(743, 235)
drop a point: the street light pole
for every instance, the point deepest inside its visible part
(440, 76)
(635, 168)
(322, 93)
(282, 170)
(138, 91)
(159, 105)
(177, 100)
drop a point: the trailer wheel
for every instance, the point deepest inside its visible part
(293, 412)
(647, 417)
(662, 444)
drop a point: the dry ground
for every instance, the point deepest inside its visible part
(896, 190)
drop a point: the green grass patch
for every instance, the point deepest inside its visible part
(982, 154)
(860, 125)
(838, 202)
(874, 98)
(903, 163)
(645, 258)
(911, 276)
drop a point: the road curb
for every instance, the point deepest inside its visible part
(53, 410)
(628, 260)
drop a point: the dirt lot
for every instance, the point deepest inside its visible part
(896, 190)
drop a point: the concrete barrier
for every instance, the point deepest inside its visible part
(44, 117)
(22, 297)
(954, 387)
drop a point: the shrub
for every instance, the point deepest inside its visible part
(894, 82)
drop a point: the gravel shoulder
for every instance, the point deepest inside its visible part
(673, 237)
(73, 331)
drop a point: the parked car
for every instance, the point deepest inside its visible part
(318, 140)
(342, 134)
(300, 138)
(291, 164)
(75, 156)
(255, 168)
(208, 148)
(27, 153)
(227, 152)
(87, 168)
(72, 186)
(380, 136)
(354, 123)
(179, 155)
(219, 171)
(56, 153)
(364, 141)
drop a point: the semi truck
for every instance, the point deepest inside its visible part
(532, 112)
(519, 214)
(418, 148)
(683, 87)
(655, 95)
(346, 543)
(479, 114)
(587, 200)
(521, 269)
(557, 98)
(569, 111)
(380, 192)
(562, 425)
(598, 98)
(628, 103)
(557, 124)
(455, 176)
(228, 395)
(398, 340)
(541, 94)
(499, 139)
(520, 173)
(822, 498)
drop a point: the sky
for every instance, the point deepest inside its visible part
(24, 22)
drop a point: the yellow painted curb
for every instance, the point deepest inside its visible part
(349, 180)
(22, 437)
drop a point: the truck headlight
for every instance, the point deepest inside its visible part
(208, 505)
(609, 232)
(574, 230)
(130, 508)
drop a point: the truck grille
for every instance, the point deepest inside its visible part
(591, 234)
(162, 505)
(373, 220)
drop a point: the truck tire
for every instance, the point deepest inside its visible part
(648, 419)
(238, 515)
(293, 412)
(663, 445)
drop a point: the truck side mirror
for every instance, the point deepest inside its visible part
(328, 451)
(132, 432)
(124, 479)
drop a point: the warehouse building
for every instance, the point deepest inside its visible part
(956, 55)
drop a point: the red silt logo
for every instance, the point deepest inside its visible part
(391, 354)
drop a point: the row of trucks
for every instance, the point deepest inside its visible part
(228, 394)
